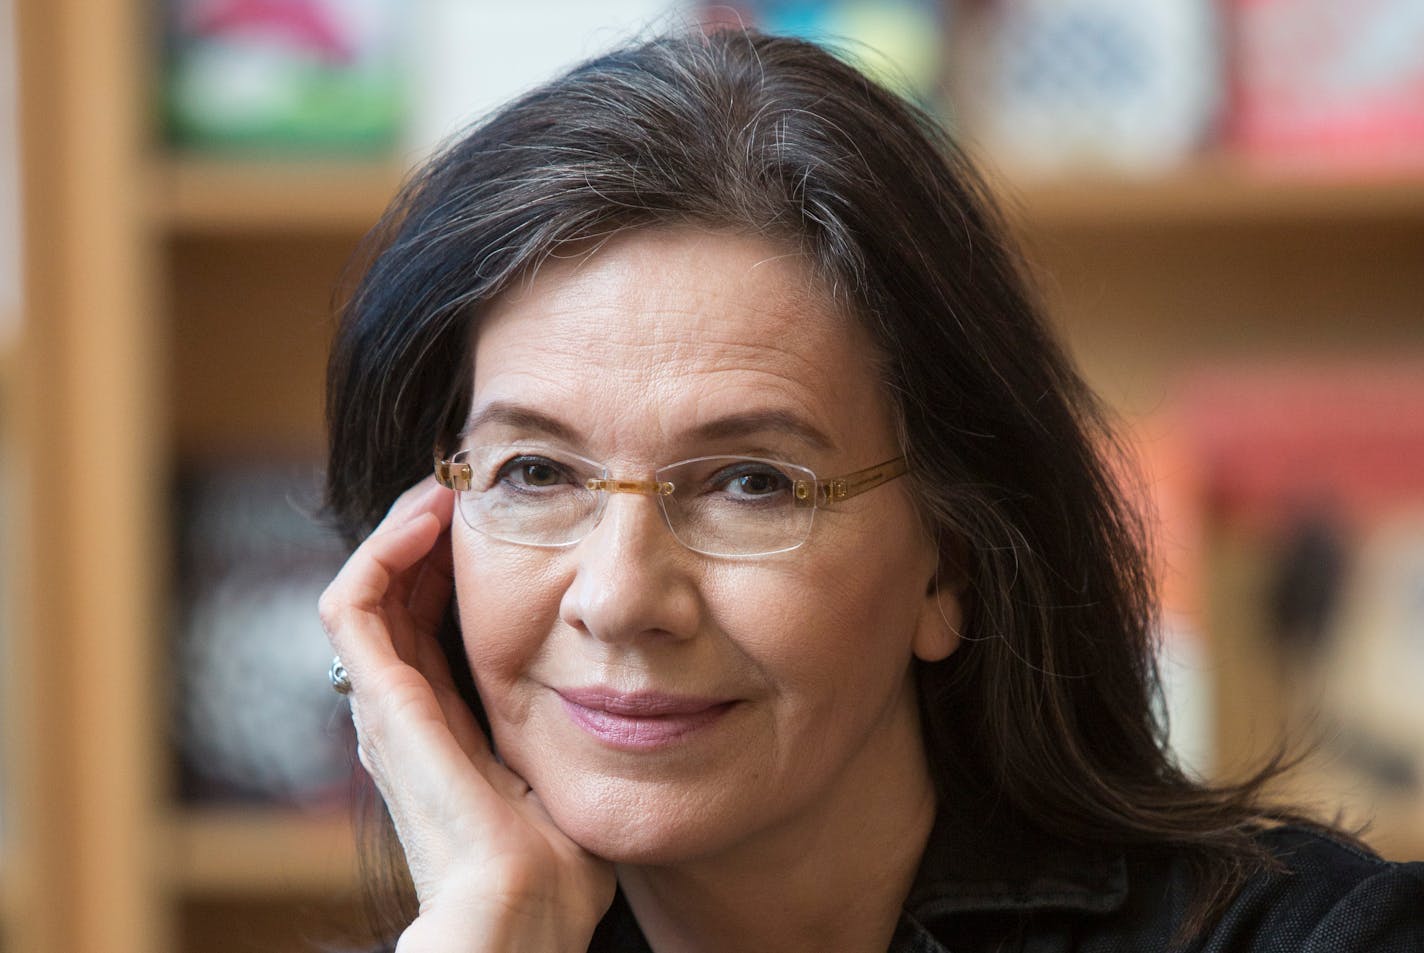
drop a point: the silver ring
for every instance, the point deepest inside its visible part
(340, 681)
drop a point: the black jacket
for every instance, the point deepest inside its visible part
(995, 893)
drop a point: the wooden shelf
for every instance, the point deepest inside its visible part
(207, 195)
(201, 194)
(1218, 190)
(242, 851)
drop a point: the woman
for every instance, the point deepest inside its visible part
(772, 591)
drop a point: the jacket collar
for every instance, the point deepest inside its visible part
(978, 861)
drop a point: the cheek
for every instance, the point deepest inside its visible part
(823, 638)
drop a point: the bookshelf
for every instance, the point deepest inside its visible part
(178, 311)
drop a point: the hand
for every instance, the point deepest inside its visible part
(491, 870)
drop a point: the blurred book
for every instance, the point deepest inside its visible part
(1060, 86)
(255, 714)
(464, 59)
(1274, 438)
(1324, 84)
(284, 75)
(898, 42)
(1321, 469)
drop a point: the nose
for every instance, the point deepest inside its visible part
(631, 578)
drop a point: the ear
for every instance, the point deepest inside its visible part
(942, 611)
(941, 615)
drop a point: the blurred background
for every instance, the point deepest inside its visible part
(1224, 201)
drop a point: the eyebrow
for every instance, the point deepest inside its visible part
(731, 426)
(519, 417)
(761, 421)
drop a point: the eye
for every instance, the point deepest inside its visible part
(750, 480)
(531, 472)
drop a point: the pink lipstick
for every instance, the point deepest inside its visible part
(641, 721)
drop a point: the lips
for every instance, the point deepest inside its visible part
(641, 721)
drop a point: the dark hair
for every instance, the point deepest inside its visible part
(1049, 702)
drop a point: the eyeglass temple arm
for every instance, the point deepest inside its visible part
(823, 492)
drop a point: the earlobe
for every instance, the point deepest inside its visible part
(941, 618)
(942, 611)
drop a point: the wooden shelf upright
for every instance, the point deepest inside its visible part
(86, 780)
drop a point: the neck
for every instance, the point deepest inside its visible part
(833, 880)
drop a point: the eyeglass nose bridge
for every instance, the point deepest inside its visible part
(659, 489)
(645, 487)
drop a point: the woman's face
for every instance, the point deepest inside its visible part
(665, 705)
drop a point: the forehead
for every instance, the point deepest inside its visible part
(670, 288)
(657, 331)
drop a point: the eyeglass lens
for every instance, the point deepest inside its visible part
(718, 505)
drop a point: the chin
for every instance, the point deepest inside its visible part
(640, 823)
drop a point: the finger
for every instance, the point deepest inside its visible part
(421, 595)
(425, 497)
(434, 666)
(414, 761)
(412, 753)
(430, 595)
(351, 607)
(420, 706)
(410, 500)
(367, 626)
(461, 723)
(433, 499)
